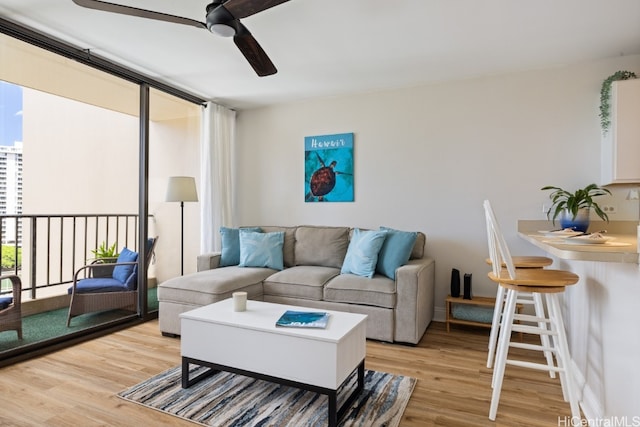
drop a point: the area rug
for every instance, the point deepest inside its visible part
(227, 399)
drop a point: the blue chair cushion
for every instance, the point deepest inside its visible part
(100, 284)
(132, 281)
(5, 302)
(150, 241)
(123, 273)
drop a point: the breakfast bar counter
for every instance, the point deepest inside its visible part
(622, 248)
(621, 244)
(601, 314)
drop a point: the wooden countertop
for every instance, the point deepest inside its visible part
(622, 248)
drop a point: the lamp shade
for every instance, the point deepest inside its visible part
(182, 189)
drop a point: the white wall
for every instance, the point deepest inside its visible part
(426, 157)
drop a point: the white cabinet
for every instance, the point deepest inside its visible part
(621, 145)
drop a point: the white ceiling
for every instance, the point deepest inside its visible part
(331, 47)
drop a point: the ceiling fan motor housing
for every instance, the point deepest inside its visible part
(220, 21)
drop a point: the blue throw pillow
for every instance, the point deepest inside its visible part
(362, 254)
(261, 249)
(395, 251)
(231, 245)
(123, 272)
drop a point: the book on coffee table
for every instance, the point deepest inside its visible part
(303, 319)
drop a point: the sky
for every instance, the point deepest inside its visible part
(10, 113)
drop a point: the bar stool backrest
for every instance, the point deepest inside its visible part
(498, 249)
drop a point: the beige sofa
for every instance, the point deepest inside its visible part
(398, 310)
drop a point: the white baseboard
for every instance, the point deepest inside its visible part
(439, 314)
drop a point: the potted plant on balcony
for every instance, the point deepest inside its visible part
(574, 208)
(104, 255)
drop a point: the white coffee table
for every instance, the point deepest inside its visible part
(249, 343)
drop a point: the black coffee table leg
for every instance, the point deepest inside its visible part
(333, 412)
(335, 415)
(188, 382)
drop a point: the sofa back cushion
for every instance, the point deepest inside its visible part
(323, 246)
(418, 248)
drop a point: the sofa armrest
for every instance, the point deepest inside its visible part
(208, 261)
(415, 287)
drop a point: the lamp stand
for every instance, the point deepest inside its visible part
(182, 238)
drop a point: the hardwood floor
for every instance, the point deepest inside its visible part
(77, 386)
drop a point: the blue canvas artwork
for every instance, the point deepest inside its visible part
(328, 168)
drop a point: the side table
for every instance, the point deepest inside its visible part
(477, 301)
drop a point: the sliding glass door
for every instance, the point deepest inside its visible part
(70, 184)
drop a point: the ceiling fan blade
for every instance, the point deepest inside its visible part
(134, 11)
(243, 8)
(252, 51)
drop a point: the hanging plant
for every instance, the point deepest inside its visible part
(605, 96)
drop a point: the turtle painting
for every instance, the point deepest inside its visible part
(323, 180)
(328, 168)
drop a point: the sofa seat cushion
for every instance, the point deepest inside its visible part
(303, 281)
(210, 286)
(379, 291)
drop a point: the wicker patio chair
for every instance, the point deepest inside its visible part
(11, 307)
(108, 293)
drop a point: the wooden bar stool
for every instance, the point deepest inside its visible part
(528, 261)
(525, 299)
(541, 283)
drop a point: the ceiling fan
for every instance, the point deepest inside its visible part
(222, 18)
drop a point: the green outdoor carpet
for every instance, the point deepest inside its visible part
(53, 324)
(227, 399)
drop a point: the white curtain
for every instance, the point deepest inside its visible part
(216, 181)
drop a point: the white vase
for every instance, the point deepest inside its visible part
(579, 223)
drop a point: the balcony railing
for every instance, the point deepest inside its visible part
(48, 249)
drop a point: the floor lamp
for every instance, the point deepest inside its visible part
(182, 189)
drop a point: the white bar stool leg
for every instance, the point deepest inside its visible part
(563, 355)
(503, 349)
(495, 325)
(544, 338)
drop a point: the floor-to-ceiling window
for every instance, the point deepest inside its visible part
(80, 183)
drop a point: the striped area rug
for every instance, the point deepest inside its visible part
(227, 399)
